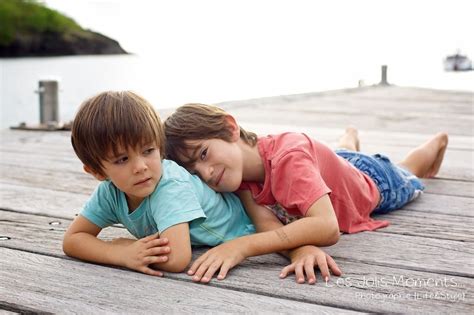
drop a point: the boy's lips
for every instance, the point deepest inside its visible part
(143, 181)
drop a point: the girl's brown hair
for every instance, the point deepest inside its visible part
(198, 122)
(111, 120)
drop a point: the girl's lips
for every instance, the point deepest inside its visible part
(220, 177)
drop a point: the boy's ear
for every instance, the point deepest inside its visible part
(234, 127)
(97, 176)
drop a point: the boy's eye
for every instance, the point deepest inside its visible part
(121, 160)
(203, 154)
(149, 150)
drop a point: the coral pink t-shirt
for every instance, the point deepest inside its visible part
(299, 170)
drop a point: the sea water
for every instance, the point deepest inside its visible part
(168, 84)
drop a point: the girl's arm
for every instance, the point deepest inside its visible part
(320, 229)
(80, 241)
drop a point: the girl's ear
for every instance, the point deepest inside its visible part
(97, 176)
(233, 127)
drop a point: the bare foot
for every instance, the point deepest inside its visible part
(442, 140)
(350, 139)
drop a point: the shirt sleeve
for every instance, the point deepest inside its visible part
(177, 202)
(296, 181)
(99, 209)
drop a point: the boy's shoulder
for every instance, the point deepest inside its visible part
(172, 171)
(176, 175)
(176, 181)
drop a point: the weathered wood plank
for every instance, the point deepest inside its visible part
(389, 121)
(362, 287)
(458, 163)
(15, 141)
(401, 251)
(353, 107)
(68, 181)
(451, 101)
(27, 199)
(67, 291)
(449, 187)
(449, 205)
(407, 252)
(427, 224)
(80, 182)
(63, 203)
(367, 137)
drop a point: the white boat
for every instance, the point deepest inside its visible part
(457, 62)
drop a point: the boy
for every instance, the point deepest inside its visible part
(120, 140)
(331, 192)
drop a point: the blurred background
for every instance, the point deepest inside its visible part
(212, 51)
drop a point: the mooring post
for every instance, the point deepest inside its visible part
(384, 81)
(48, 98)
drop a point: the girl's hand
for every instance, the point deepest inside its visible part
(139, 254)
(303, 261)
(223, 257)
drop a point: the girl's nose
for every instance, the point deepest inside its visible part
(205, 172)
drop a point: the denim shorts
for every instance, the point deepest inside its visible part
(397, 186)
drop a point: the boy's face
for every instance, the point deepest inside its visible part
(135, 171)
(218, 163)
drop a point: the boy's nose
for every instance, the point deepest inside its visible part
(140, 166)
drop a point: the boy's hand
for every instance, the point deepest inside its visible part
(303, 261)
(139, 254)
(223, 257)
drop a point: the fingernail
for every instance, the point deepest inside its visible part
(281, 275)
(204, 279)
(196, 278)
(190, 272)
(326, 279)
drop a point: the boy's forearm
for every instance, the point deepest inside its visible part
(88, 247)
(305, 231)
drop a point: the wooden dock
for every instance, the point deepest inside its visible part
(422, 263)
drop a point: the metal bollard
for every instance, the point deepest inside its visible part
(384, 76)
(48, 97)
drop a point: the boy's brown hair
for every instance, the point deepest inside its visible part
(111, 120)
(198, 122)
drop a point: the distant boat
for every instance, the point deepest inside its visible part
(457, 62)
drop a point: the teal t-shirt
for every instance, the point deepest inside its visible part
(179, 197)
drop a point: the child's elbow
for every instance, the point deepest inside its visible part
(333, 234)
(67, 246)
(176, 263)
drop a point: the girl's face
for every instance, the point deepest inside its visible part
(218, 163)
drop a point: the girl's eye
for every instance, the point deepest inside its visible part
(148, 151)
(121, 160)
(203, 154)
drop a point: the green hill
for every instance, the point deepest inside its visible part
(28, 28)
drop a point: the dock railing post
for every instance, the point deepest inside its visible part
(384, 81)
(48, 98)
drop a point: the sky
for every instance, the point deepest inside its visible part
(272, 30)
